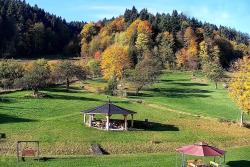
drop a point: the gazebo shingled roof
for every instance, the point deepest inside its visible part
(109, 109)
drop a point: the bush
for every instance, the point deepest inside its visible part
(111, 87)
(37, 77)
(9, 72)
(94, 68)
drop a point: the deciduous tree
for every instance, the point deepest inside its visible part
(66, 71)
(88, 32)
(166, 48)
(213, 71)
(37, 76)
(144, 37)
(94, 68)
(145, 72)
(239, 87)
(10, 70)
(115, 60)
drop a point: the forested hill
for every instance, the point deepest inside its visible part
(175, 39)
(29, 32)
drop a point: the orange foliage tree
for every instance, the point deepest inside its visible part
(115, 60)
(182, 58)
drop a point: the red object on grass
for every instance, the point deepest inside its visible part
(28, 152)
(201, 149)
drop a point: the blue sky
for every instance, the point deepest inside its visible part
(232, 13)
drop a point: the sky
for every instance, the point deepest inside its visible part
(231, 13)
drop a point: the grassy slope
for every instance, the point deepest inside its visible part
(235, 158)
(56, 120)
(177, 90)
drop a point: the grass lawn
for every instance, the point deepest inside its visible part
(237, 157)
(57, 123)
(180, 91)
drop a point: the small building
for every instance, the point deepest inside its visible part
(108, 110)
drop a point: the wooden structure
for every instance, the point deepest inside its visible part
(200, 149)
(96, 149)
(27, 149)
(108, 110)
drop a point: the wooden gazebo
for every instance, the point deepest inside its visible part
(108, 110)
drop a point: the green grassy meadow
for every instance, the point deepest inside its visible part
(237, 157)
(182, 111)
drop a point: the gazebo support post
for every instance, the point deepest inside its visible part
(107, 122)
(90, 121)
(38, 153)
(17, 151)
(183, 160)
(92, 117)
(84, 119)
(132, 120)
(176, 159)
(126, 122)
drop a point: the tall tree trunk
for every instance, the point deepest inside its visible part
(35, 92)
(67, 84)
(138, 90)
(241, 119)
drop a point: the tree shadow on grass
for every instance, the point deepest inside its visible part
(7, 100)
(179, 93)
(6, 119)
(67, 97)
(174, 80)
(148, 126)
(64, 89)
(140, 94)
(46, 159)
(153, 126)
(240, 163)
(190, 84)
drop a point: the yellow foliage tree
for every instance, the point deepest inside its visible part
(88, 32)
(188, 56)
(117, 25)
(144, 27)
(139, 26)
(182, 58)
(132, 28)
(239, 87)
(204, 52)
(143, 40)
(192, 49)
(115, 60)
